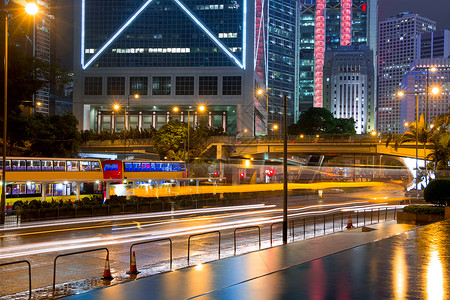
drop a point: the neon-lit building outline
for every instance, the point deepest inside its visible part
(346, 22)
(319, 51)
(191, 15)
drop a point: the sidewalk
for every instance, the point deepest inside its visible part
(322, 268)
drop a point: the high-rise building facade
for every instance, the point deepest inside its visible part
(349, 85)
(327, 25)
(424, 75)
(397, 50)
(435, 44)
(44, 49)
(281, 32)
(171, 53)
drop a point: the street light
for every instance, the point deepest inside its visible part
(400, 94)
(5, 115)
(200, 108)
(261, 92)
(432, 69)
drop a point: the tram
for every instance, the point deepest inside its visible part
(30, 178)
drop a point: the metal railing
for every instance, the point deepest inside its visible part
(198, 234)
(69, 254)
(29, 272)
(271, 230)
(155, 241)
(247, 227)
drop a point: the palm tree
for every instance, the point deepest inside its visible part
(440, 141)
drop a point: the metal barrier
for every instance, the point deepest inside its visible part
(271, 227)
(154, 241)
(247, 227)
(68, 254)
(29, 272)
(198, 234)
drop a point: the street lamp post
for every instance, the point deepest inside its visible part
(5, 115)
(201, 108)
(126, 122)
(285, 171)
(435, 91)
(260, 92)
(5, 106)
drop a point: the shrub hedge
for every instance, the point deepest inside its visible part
(424, 209)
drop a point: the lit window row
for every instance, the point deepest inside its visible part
(152, 50)
(209, 7)
(228, 35)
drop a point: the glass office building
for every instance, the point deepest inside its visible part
(171, 53)
(326, 25)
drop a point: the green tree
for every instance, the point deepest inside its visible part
(54, 136)
(168, 140)
(321, 121)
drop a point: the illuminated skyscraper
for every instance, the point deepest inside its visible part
(397, 50)
(349, 90)
(327, 25)
(171, 53)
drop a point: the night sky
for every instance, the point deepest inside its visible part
(437, 10)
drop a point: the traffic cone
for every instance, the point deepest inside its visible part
(133, 268)
(349, 222)
(107, 271)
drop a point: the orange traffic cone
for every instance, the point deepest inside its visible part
(133, 268)
(349, 222)
(107, 271)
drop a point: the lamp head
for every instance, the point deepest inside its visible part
(433, 69)
(116, 106)
(435, 91)
(31, 8)
(401, 94)
(175, 109)
(260, 92)
(202, 108)
(136, 96)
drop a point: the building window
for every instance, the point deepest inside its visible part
(138, 85)
(115, 86)
(232, 85)
(93, 86)
(207, 85)
(184, 86)
(161, 86)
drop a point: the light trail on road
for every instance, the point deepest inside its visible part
(154, 231)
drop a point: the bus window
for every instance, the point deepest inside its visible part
(153, 167)
(95, 166)
(128, 167)
(137, 167)
(73, 166)
(146, 167)
(182, 167)
(59, 165)
(33, 165)
(18, 165)
(47, 165)
(112, 167)
(85, 165)
(8, 165)
(175, 167)
(159, 167)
